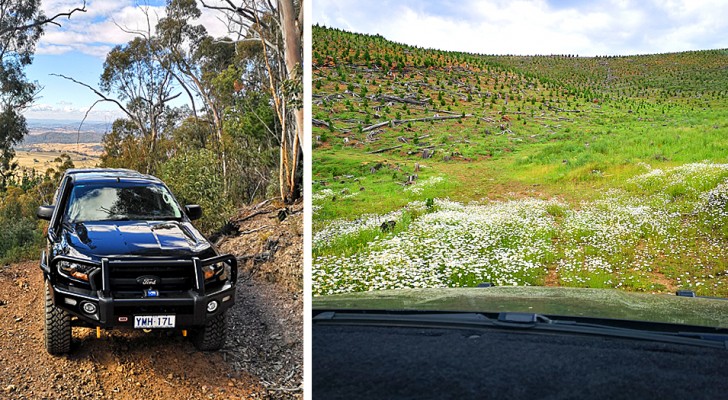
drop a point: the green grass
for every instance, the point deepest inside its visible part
(347, 245)
(670, 114)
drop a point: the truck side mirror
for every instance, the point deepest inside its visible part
(193, 211)
(45, 212)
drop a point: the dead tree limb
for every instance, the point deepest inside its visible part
(404, 121)
(320, 123)
(101, 95)
(254, 230)
(386, 149)
(51, 20)
(385, 97)
(375, 126)
(238, 221)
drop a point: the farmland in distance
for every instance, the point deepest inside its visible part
(48, 139)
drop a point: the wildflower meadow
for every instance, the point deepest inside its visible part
(660, 231)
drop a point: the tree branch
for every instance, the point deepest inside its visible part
(103, 97)
(51, 20)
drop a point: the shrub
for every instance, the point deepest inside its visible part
(194, 178)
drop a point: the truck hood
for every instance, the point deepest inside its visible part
(133, 238)
(573, 302)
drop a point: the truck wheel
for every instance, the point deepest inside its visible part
(211, 336)
(57, 326)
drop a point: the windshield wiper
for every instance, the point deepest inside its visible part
(524, 321)
(167, 218)
(114, 219)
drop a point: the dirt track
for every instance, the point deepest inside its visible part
(262, 357)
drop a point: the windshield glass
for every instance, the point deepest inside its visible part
(436, 170)
(96, 202)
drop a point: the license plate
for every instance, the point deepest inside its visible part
(153, 321)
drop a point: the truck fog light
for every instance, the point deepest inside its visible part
(70, 301)
(212, 306)
(88, 308)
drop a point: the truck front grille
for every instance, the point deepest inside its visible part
(176, 277)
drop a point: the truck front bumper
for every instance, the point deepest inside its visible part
(107, 309)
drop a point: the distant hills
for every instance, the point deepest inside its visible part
(388, 115)
(64, 131)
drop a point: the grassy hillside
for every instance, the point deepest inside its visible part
(617, 161)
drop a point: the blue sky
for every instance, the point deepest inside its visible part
(587, 28)
(78, 48)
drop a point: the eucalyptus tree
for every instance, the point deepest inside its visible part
(136, 76)
(194, 58)
(278, 27)
(138, 82)
(22, 23)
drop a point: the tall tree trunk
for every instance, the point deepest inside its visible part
(292, 45)
(283, 167)
(152, 147)
(292, 53)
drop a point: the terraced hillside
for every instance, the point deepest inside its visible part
(557, 169)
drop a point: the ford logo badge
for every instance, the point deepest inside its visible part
(148, 280)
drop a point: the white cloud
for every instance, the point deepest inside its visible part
(95, 31)
(537, 27)
(104, 23)
(68, 111)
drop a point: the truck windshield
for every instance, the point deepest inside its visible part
(104, 202)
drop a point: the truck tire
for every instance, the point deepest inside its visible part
(211, 336)
(57, 326)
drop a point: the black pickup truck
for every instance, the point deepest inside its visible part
(122, 253)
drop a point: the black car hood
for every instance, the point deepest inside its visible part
(561, 301)
(133, 238)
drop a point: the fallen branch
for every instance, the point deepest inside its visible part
(562, 110)
(385, 97)
(320, 123)
(375, 126)
(386, 149)
(262, 203)
(252, 215)
(446, 112)
(404, 121)
(254, 230)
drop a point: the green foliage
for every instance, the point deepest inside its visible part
(12, 130)
(127, 147)
(21, 25)
(22, 234)
(251, 146)
(195, 178)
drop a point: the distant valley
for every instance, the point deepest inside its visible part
(48, 139)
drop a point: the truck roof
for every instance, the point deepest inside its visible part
(90, 175)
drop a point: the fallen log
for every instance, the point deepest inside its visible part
(385, 97)
(375, 126)
(385, 149)
(404, 121)
(320, 123)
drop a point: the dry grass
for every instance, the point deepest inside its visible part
(47, 153)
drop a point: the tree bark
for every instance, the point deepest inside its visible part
(292, 54)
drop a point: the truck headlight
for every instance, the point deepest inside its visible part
(75, 270)
(217, 270)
